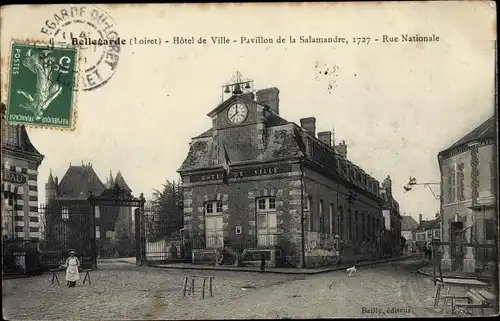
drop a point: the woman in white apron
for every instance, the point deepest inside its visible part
(72, 264)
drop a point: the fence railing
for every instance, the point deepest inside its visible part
(240, 243)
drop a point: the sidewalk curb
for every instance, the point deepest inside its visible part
(291, 271)
(454, 277)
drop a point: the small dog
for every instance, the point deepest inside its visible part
(351, 270)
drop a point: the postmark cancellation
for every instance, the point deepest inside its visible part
(95, 32)
(42, 84)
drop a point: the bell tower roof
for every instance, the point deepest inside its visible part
(50, 181)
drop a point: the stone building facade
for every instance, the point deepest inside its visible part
(20, 163)
(468, 197)
(391, 238)
(286, 187)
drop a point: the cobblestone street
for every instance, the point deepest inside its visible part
(124, 291)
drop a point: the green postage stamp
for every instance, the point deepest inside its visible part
(42, 85)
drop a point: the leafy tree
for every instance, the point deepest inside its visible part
(166, 214)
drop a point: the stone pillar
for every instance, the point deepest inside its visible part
(469, 261)
(446, 260)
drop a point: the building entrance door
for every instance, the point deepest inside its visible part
(214, 232)
(266, 229)
(456, 250)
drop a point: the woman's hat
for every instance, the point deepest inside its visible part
(72, 252)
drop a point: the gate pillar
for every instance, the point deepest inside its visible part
(138, 243)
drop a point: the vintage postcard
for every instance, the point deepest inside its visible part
(249, 160)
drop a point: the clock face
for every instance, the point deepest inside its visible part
(237, 113)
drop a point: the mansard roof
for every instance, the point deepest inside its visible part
(285, 140)
(486, 130)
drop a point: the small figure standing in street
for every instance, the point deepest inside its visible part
(173, 252)
(72, 264)
(262, 263)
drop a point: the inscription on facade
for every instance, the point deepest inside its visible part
(240, 173)
(12, 177)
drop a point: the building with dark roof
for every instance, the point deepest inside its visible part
(67, 202)
(255, 181)
(468, 195)
(391, 238)
(20, 162)
(427, 231)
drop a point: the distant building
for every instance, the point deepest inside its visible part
(20, 162)
(428, 230)
(468, 196)
(408, 232)
(65, 199)
(391, 240)
(288, 187)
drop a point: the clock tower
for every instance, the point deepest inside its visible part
(238, 123)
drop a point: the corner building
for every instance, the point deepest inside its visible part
(469, 199)
(287, 189)
(20, 163)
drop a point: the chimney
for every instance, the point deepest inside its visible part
(269, 97)
(419, 218)
(309, 125)
(388, 184)
(437, 215)
(325, 137)
(333, 136)
(342, 149)
(56, 180)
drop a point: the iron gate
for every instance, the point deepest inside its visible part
(163, 236)
(64, 227)
(117, 197)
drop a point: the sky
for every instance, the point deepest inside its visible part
(396, 105)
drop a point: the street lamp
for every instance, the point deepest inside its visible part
(413, 182)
